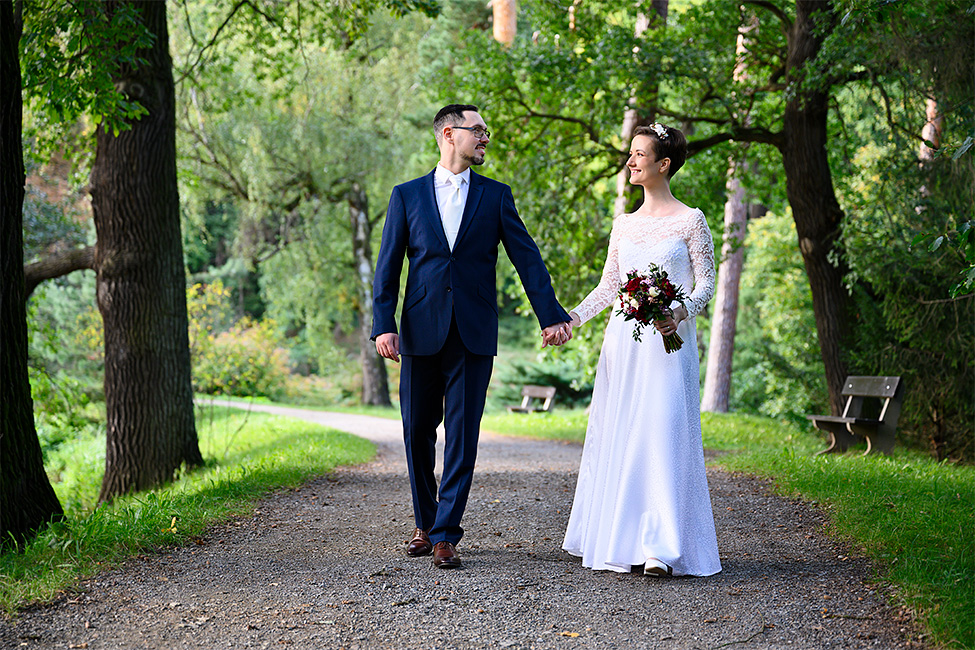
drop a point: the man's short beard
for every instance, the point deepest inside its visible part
(471, 160)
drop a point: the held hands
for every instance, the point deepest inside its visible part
(557, 334)
(387, 345)
(669, 324)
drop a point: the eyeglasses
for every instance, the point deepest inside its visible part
(478, 131)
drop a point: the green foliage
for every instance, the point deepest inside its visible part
(909, 324)
(278, 138)
(569, 380)
(240, 358)
(777, 364)
(70, 54)
(961, 238)
(65, 363)
(251, 454)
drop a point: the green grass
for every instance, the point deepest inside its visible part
(376, 411)
(913, 516)
(554, 425)
(248, 454)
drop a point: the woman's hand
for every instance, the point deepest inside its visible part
(669, 324)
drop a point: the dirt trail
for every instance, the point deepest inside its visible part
(323, 567)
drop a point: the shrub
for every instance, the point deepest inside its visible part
(245, 359)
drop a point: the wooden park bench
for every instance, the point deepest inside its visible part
(873, 405)
(544, 394)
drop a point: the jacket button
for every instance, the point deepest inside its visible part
(449, 289)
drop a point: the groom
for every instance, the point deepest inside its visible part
(449, 224)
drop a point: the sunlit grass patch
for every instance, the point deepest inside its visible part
(558, 424)
(914, 516)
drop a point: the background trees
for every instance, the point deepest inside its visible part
(294, 122)
(304, 155)
(809, 67)
(109, 63)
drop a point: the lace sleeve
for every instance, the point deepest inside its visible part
(700, 247)
(608, 288)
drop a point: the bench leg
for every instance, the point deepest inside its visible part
(839, 438)
(878, 439)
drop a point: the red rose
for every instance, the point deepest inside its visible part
(633, 285)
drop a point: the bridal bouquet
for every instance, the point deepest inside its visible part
(646, 297)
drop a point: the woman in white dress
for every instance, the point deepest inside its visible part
(642, 496)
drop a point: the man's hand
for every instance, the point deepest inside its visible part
(387, 345)
(556, 334)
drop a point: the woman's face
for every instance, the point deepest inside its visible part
(642, 163)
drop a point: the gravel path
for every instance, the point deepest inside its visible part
(323, 567)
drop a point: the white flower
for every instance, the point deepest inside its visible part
(660, 130)
(634, 303)
(653, 292)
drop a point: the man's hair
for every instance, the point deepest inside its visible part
(451, 114)
(669, 144)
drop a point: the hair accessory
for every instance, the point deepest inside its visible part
(660, 130)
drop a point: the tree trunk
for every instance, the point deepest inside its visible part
(721, 347)
(809, 187)
(141, 284)
(27, 500)
(931, 131)
(505, 20)
(628, 196)
(375, 385)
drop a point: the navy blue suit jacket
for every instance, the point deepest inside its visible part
(440, 282)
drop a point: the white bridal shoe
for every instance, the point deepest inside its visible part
(655, 567)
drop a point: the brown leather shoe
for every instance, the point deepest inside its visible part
(420, 544)
(445, 556)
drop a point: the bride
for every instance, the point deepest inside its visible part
(642, 495)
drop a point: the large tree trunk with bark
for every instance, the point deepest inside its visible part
(27, 500)
(141, 284)
(375, 384)
(815, 209)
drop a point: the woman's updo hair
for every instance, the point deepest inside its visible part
(668, 142)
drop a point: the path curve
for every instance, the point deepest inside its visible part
(322, 566)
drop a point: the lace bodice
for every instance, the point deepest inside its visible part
(680, 244)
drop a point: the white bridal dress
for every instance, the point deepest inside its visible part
(642, 490)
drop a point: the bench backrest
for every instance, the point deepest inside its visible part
(871, 397)
(540, 392)
(882, 387)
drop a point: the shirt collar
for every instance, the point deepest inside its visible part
(442, 174)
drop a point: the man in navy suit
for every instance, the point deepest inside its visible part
(449, 224)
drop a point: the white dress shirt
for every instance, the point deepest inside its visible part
(451, 199)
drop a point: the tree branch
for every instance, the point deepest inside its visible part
(775, 11)
(57, 265)
(776, 139)
(216, 34)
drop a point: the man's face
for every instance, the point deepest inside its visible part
(471, 138)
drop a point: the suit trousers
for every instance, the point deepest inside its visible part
(449, 386)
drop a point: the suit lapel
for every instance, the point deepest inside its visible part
(473, 199)
(432, 209)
